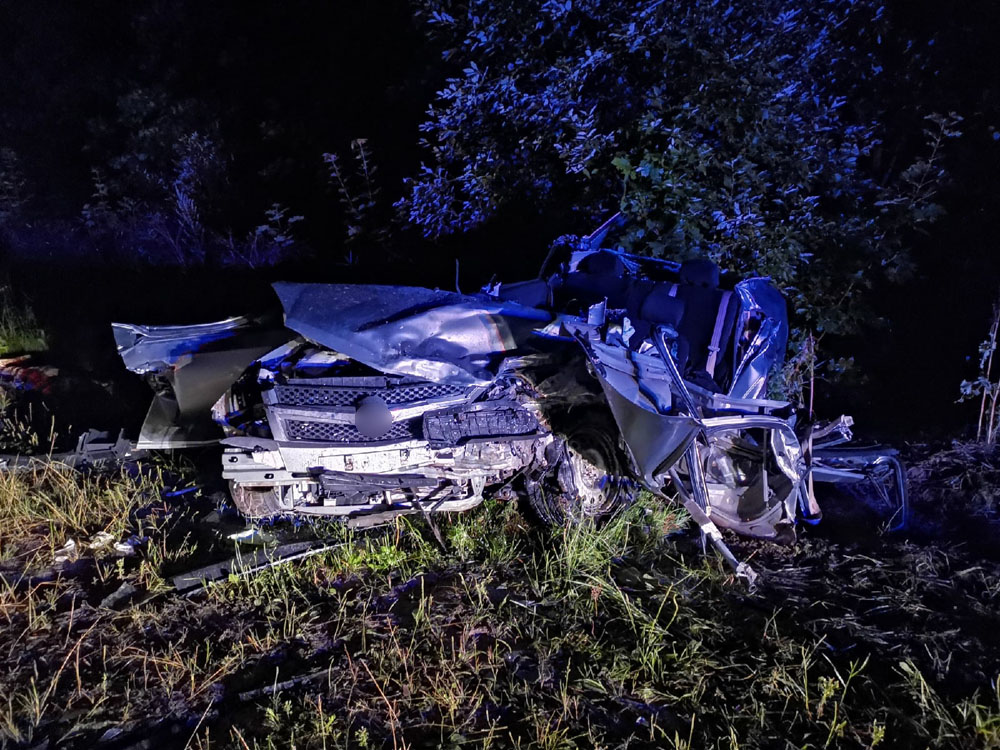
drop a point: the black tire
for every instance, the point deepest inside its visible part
(588, 452)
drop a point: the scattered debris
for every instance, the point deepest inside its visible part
(67, 553)
(20, 374)
(119, 596)
(101, 541)
(194, 581)
(488, 637)
(278, 687)
(93, 449)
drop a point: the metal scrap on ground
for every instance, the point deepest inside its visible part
(93, 449)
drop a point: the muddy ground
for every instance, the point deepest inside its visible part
(508, 636)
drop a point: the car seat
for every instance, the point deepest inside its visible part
(707, 324)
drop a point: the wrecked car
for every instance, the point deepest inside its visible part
(611, 375)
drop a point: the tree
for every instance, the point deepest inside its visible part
(742, 131)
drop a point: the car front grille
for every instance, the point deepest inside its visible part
(335, 432)
(299, 394)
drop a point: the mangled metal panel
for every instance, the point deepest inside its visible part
(761, 337)
(444, 337)
(637, 388)
(195, 365)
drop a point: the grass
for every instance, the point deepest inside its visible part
(597, 636)
(43, 508)
(19, 329)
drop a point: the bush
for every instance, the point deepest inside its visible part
(747, 132)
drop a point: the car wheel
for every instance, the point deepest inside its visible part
(586, 476)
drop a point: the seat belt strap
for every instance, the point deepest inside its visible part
(720, 321)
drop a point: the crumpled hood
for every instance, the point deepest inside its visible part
(440, 336)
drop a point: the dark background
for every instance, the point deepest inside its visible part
(277, 85)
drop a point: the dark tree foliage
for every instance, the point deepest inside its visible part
(748, 132)
(778, 137)
(191, 134)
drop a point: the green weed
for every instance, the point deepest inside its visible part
(602, 635)
(19, 329)
(44, 507)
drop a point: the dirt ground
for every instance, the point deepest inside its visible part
(509, 636)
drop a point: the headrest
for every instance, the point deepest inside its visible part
(660, 307)
(700, 272)
(603, 263)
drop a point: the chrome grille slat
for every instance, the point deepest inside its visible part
(326, 395)
(336, 432)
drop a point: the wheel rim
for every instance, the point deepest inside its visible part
(596, 472)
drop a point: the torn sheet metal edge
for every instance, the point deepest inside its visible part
(824, 437)
(634, 263)
(140, 347)
(759, 296)
(162, 430)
